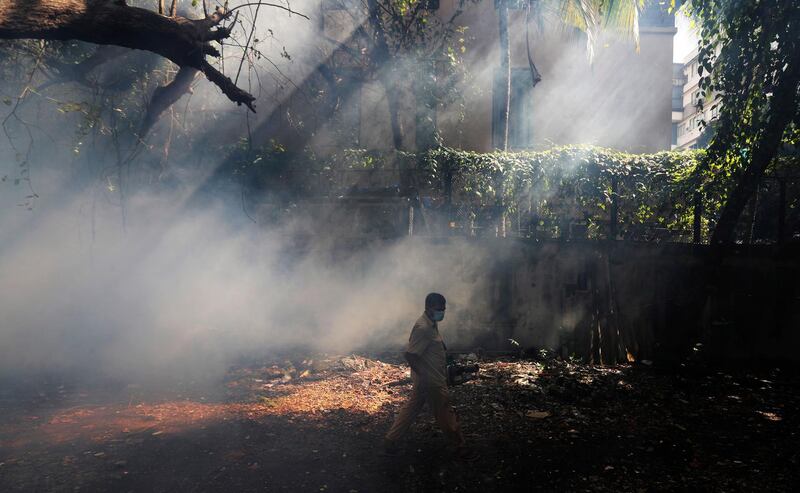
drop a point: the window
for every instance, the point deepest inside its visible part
(677, 98)
(674, 134)
(715, 111)
(696, 123)
(520, 130)
(678, 75)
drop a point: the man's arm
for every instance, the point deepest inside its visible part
(417, 345)
(414, 361)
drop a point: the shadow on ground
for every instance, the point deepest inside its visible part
(538, 424)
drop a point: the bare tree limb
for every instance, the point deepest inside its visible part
(183, 41)
(276, 5)
(247, 43)
(238, 96)
(165, 96)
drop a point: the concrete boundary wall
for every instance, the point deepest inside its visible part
(612, 301)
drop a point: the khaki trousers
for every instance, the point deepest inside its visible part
(438, 400)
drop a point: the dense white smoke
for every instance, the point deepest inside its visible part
(190, 290)
(179, 288)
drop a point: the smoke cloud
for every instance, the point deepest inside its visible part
(190, 290)
(157, 284)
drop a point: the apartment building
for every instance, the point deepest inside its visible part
(678, 81)
(698, 111)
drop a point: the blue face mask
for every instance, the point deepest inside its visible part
(438, 315)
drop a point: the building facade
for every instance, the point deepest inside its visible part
(619, 99)
(678, 81)
(699, 111)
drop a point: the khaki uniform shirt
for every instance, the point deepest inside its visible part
(427, 343)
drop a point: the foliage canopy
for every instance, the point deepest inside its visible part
(748, 58)
(544, 191)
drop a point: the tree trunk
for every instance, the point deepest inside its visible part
(184, 41)
(394, 110)
(380, 60)
(782, 110)
(505, 73)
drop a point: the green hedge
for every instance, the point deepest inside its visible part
(574, 184)
(542, 190)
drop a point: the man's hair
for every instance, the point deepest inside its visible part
(434, 299)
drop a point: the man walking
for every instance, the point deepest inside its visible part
(426, 354)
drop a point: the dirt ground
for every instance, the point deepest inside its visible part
(315, 424)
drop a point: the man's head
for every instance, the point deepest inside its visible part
(435, 305)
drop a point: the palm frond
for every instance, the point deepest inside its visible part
(585, 15)
(594, 16)
(622, 16)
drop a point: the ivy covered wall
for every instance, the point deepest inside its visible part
(574, 192)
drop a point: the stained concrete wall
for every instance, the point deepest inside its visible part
(664, 298)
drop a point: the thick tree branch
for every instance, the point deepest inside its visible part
(181, 40)
(227, 86)
(765, 147)
(165, 96)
